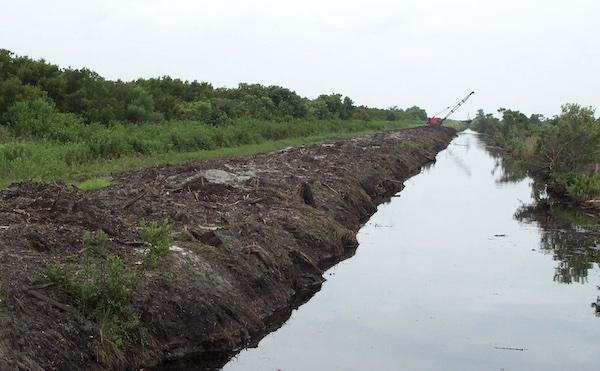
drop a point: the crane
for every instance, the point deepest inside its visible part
(437, 121)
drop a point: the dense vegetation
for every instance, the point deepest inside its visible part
(66, 123)
(565, 149)
(44, 89)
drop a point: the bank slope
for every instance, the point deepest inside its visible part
(248, 239)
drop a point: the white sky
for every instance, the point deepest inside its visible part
(531, 55)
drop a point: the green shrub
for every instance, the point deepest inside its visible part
(55, 273)
(100, 290)
(139, 145)
(13, 151)
(182, 142)
(581, 186)
(4, 134)
(196, 111)
(31, 118)
(38, 118)
(108, 145)
(158, 237)
(77, 155)
(94, 243)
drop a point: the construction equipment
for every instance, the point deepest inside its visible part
(437, 121)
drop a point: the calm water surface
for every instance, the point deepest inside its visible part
(462, 271)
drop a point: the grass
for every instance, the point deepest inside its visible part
(100, 290)
(114, 149)
(100, 286)
(94, 184)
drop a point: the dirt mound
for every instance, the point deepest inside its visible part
(252, 236)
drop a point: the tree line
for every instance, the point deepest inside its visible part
(35, 93)
(565, 149)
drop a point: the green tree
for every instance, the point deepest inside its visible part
(485, 123)
(141, 106)
(415, 112)
(347, 108)
(571, 143)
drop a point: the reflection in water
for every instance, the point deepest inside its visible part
(460, 163)
(569, 234)
(507, 171)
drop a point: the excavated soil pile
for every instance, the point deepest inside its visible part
(251, 239)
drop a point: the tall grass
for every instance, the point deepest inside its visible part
(97, 150)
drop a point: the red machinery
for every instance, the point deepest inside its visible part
(437, 121)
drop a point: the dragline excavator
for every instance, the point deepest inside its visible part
(437, 121)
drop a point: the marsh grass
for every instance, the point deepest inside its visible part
(101, 150)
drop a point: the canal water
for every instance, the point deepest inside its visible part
(470, 267)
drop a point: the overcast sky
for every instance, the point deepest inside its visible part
(531, 55)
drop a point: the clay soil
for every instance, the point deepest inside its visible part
(251, 239)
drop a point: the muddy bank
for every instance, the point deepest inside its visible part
(251, 238)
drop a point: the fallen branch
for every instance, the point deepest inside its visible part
(328, 186)
(250, 202)
(41, 286)
(16, 211)
(61, 306)
(229, 205)
(256, 200)
(135, 199)
(131, 243)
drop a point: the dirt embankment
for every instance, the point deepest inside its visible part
(252, 236)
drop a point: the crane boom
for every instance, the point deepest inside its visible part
(460, 103)
(436, 121)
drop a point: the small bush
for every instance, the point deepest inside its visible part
(139, 145)
(39, 118)
(4, 134)
(100, 290)
(580, 186)
(56, 273)
(30, 118)
(158, 237)
(94, 243)
(13, 151)
(108, 146)
(77, 155)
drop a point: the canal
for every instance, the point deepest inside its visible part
(470, 267)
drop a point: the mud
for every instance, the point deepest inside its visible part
(252, 237)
